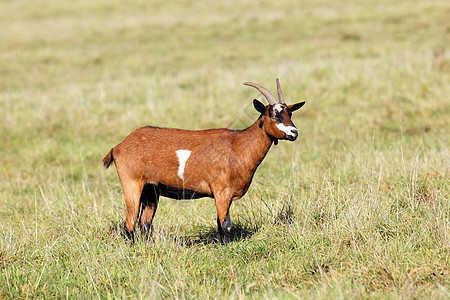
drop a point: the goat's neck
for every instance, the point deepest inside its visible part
(253, 143)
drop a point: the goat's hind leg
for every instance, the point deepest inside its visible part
(149, 203)
(132, 193)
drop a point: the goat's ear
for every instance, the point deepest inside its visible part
(259, 106)
(296, 106)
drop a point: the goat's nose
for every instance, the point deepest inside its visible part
(293, 134)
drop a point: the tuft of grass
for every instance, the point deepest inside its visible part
(357, 207)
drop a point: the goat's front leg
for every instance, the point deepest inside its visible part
(223, 203)
(224, 229)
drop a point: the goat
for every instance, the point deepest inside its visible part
(185, 164)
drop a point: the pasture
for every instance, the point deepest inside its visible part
(357, 207)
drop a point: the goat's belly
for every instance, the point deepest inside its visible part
(179, 194)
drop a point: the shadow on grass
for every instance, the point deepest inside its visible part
(206, 235)
(117, 228)
(199, 235)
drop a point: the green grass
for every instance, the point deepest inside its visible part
(357, 207)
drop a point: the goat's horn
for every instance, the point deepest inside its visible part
(280, 93)
(270, 98)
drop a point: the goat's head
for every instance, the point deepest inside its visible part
(276, 117)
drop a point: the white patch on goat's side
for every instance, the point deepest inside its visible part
(289, 130)
(183, 156)
(278, 107)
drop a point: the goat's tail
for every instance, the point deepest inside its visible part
(108, 159)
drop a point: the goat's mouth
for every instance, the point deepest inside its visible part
(291, 137)
(290, 132)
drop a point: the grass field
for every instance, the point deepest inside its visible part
(357, 207)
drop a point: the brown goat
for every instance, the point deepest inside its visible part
(185, 164)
